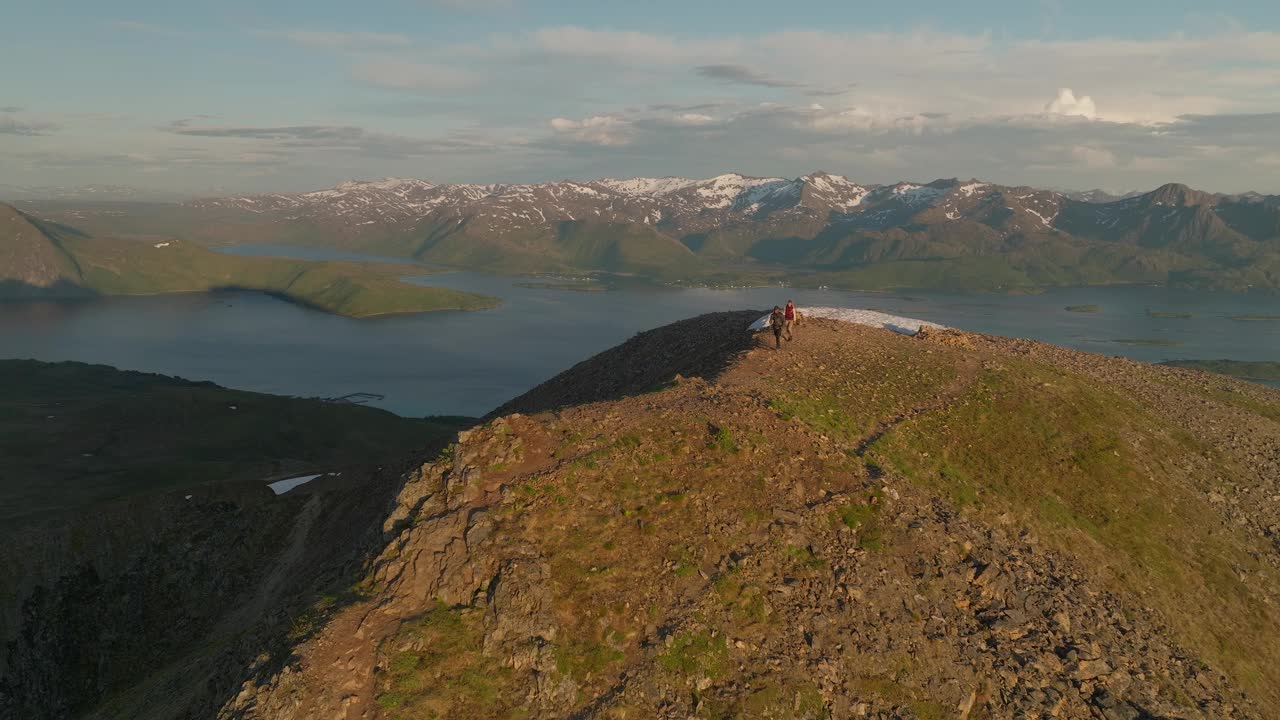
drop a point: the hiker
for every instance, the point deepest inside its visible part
(790, 318)
(777, 320)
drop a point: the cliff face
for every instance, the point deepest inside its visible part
(860, 525)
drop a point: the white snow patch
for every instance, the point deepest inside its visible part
(1043, 219)
(281, 487)
(163, 244)
(969, 189)
(647, 186)
(871, 318)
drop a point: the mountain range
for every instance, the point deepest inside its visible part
(819, 228)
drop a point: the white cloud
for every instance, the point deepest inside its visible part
(693, 119)
(602, 130)
(1066, 103)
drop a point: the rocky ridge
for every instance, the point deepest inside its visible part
(765, 541)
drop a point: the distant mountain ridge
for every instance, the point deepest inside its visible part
(969, 233)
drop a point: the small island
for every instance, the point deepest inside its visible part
(1084, 308)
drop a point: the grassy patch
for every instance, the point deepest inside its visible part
(1104, 479)
(696, 654)
(1084, 308)
(864, 518)
(124, 267)
(581, 658)
(434, 668)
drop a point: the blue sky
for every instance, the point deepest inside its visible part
(247, 96)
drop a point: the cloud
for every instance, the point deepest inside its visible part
(330, 40)
(1066, 103)
(693, 119)
(13, 126)
(601, 130)
(408, 75)
(286, 132)
(292, 139)
(740, 74)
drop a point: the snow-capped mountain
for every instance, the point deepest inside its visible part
(808, 205)
(818, 222)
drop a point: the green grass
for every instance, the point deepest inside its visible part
(435, 667)
(696, 654)
(1084, 308)
(1101, 478)
(120, 267)
(863, 518)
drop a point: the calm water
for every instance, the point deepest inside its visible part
(468, 363)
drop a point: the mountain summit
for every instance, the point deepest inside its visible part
(692, 524)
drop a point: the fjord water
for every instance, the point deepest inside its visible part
(467, 363)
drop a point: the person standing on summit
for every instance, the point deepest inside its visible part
(790, 318)
(777, 321)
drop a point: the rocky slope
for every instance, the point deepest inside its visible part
(821, 227)
(861, 525)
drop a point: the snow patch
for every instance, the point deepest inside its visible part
(647, 186)
(281, 487)
(163, 244)
(870, 318)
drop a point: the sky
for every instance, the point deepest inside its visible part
(244, 96)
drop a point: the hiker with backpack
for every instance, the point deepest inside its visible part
(777, 321)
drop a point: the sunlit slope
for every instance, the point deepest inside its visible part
(862, 523)
(41, 260)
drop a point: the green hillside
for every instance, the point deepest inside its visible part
(39, 261)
